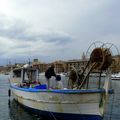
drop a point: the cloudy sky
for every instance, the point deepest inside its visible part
(55, 29)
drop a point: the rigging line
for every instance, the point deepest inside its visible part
(53, 116)
(50, 112)
(76, 106)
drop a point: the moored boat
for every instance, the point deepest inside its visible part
(115, 76)
(78, 101)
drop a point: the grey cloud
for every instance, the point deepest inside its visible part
(57, 38)
(14, 30)
(87, 21)
(101, 21)
(19, 31)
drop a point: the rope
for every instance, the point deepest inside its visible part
(77, 107)
(54, 118)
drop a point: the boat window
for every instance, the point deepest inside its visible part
(30, 75)
(17, 73)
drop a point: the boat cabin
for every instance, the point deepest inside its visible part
(25, 75)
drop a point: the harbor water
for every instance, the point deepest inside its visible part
(11, 110)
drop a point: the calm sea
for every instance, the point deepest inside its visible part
(11, 110)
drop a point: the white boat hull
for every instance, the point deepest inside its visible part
(78, 105)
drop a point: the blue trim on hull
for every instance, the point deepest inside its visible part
(68, 91)
(61, 116)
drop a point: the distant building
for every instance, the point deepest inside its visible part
(40, 65)
(115, 67)
(77, 63)
(65, 66)
(19, 64)
(2, 68)
(83, 56)
(35, 60)
(59, 66)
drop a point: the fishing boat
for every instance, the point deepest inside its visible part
(79, 101)
(115, 76)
